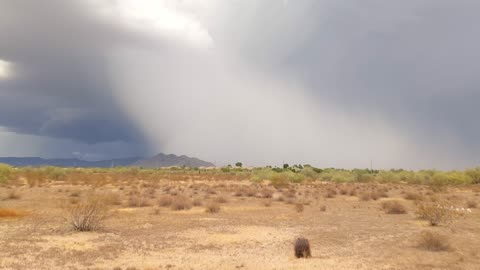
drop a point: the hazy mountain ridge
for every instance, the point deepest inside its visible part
(163, 160)
(67, 162)
(158, 161)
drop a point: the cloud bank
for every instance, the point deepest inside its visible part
(322, 82)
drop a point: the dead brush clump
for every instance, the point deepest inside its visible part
(394, 207)
(331, 193)
(365, 196)
(112, 198)
(433, 241)
(197, 202)
(472, 204)
(87, 215)
(436, 212)
(212, 208)
(165, 200)
(299, 207)
(412, 196)
(181, 203)
(221, 199)
(13, 194)
(266, 193)
(75, 194)
(138, 200)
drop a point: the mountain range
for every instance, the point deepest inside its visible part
(158, 161)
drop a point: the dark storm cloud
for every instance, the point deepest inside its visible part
(391, 80)
(61, 88)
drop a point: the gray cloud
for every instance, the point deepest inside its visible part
(333, 83)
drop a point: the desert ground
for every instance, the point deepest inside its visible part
(198, 220)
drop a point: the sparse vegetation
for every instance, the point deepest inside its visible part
(212, 208)
(394, 207)
(181, 203)
(253, 196)
(436, 212)
(433, 241)
(88, 215)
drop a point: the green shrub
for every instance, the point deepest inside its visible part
(6, 172)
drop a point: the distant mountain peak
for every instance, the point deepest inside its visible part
(171, 160)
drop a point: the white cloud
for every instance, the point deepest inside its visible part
(5, 69)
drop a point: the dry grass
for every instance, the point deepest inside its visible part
(181, 203)
(13, 194)
(221, 199)
(299, 207)
(412, 196)
(197, 202)
(138, 201)
(165, 201)
(212, 208)
(472, 204)
(394, 207)
(87, 215)
(433, 241)
(10, 213)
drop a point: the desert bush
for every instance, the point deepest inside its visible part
(331, 193)
(472, 204)
(13, 194)
(75, 194)
(433, 241)
(221, 199)
(299, 207)
(165, 200)
(6, 172)
(266, 193)
(112, 198)
(365, 196)
(180, 203)
(323, 208)
(197, 202)
(412, 196)
(436, 212)
(212, 208)
(137, 200)
(88, 215)
(474, 175)
(394, 207)
(302, 248)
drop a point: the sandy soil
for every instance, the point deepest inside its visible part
(245, 234)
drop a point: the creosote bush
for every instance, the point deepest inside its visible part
(436, 212)
(433, 241)
(302, 248)
(87, 215)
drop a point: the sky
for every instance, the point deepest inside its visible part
(266, 82)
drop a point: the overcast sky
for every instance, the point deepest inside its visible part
(325, 82)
